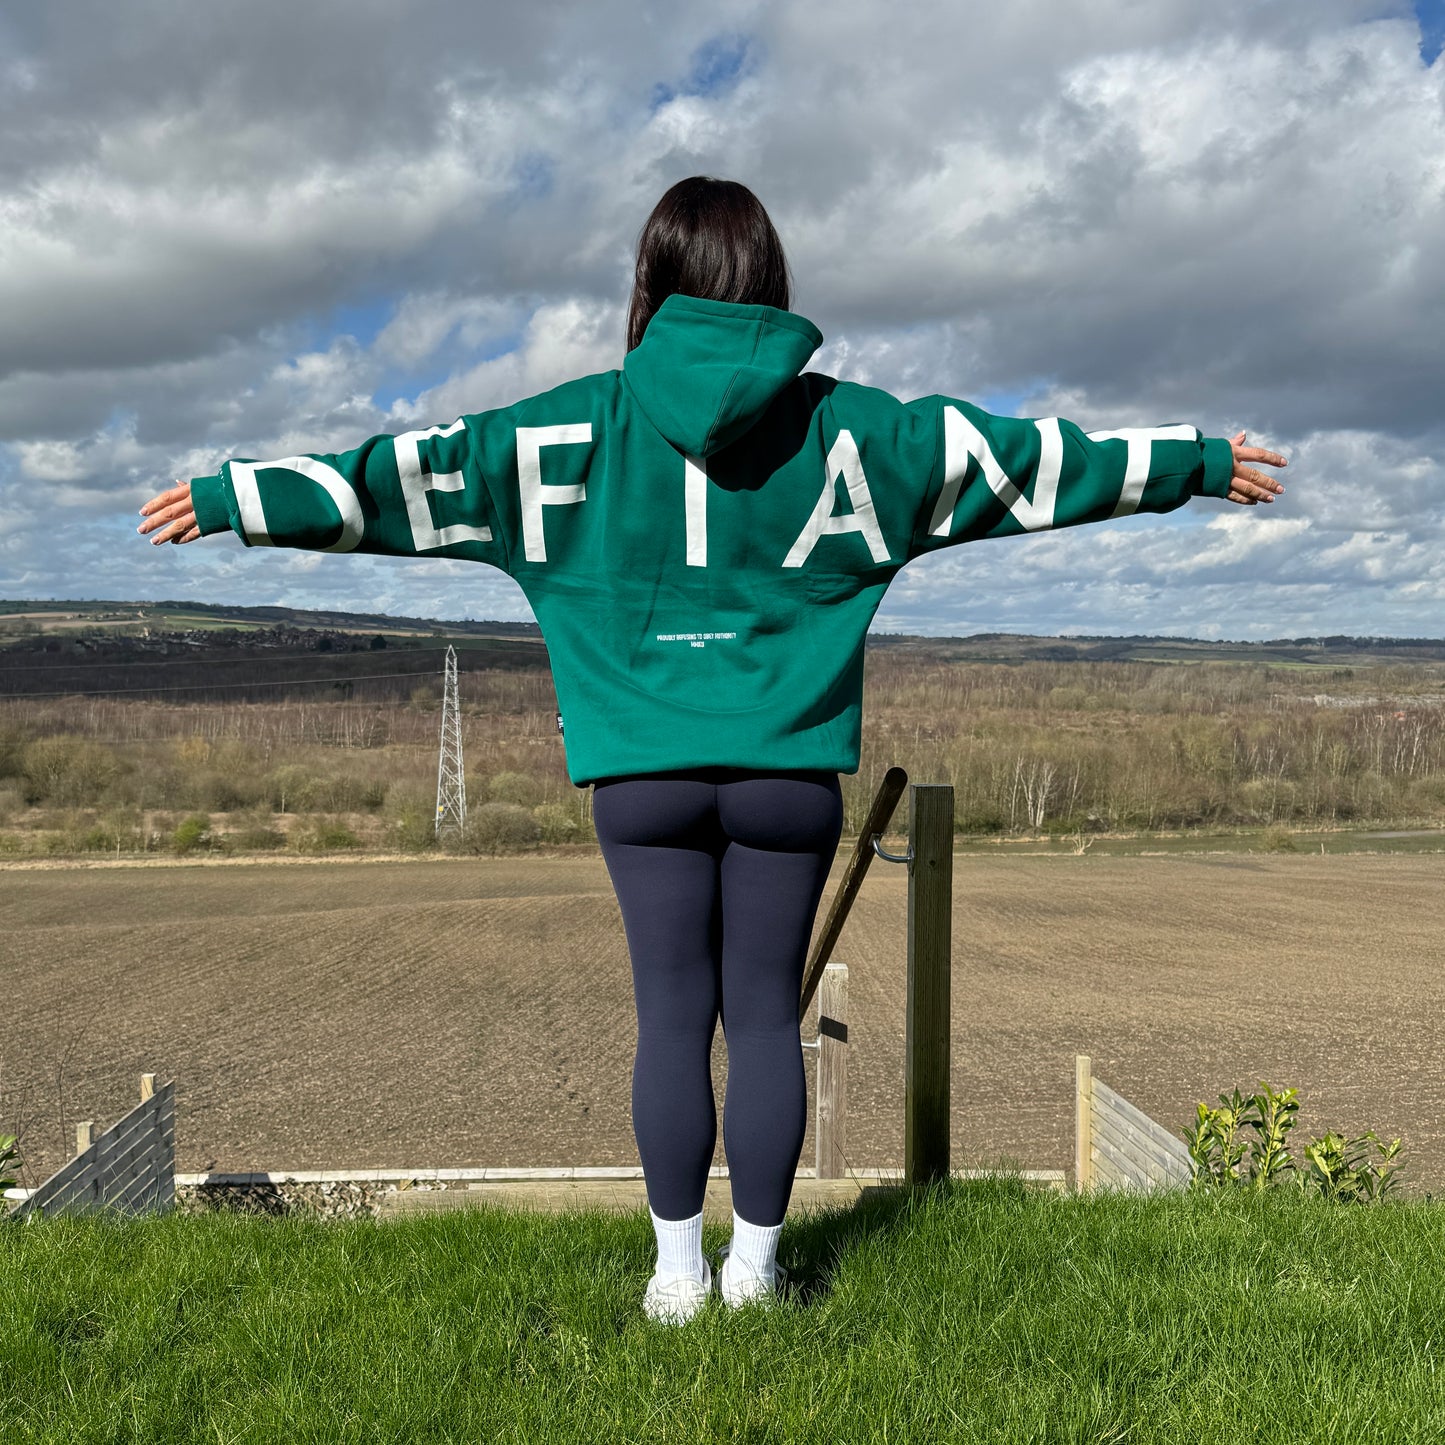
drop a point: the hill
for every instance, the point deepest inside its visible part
(19, 618)
(28, 625)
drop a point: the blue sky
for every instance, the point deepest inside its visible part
(286, 228)
(1431, 16)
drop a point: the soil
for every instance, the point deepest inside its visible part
(478, 1012)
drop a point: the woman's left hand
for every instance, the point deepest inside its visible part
(1248, 486)
(172, 513)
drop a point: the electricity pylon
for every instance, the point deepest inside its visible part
(451, 781)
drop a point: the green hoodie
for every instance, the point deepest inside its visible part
(705, 535)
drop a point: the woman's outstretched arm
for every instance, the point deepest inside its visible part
(1000, 476)
(419, 493)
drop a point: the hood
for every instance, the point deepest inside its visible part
(706, 371)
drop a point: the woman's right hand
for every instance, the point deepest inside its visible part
(1248, 486)
(173, 514)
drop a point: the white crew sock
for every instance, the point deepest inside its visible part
(679, 1247)
(754, 1248)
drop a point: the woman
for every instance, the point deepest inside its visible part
(704, 537)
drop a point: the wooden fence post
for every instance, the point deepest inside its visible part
(832, 1070)
(84, 1135)
(1083, 1122)
(930, 929)
(147, 1087)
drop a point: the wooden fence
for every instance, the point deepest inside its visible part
(1117, 1146)
(130, 1168)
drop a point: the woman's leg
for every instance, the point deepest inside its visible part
(782, 833)
(662, 846)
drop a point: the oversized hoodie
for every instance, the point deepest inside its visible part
(705, 535)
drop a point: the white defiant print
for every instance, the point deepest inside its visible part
(1141, 445)
(844, 461)
(417, 481)
(253, 519)
(965, 447)
(964, 443)
(535, 496)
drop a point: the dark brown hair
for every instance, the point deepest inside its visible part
(711, 239)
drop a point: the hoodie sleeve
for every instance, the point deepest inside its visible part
(999, 476)
(420, 493)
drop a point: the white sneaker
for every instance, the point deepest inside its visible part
(675, 1301)
(743, 1287)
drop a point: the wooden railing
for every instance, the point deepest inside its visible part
(929, 860)
(885, 801)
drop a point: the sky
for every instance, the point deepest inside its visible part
(276, 228)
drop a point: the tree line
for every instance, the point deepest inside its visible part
(1033, 747)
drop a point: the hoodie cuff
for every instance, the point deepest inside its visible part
(212, 503)
(1218, 468)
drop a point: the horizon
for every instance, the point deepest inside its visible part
(1300, 640)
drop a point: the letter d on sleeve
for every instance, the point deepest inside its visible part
(293, 511)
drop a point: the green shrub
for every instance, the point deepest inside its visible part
(222, 792)
(557, 821)
(294, 789)
(286, 787)
(9, 1156)
(519, 788)
(1278, 840)
(497, 828)
(1244, 1143)
(323, 835)
(254, 839)
(1427, 796)
(982, 818)
(13, 743)
(342, 794)
(68, 771)
(411, 819)
(11, 804)
(193, 833)
(412, 831)
(1351, 1171)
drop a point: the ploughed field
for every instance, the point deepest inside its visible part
(478, 1012)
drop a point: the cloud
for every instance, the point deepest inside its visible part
(238, 231)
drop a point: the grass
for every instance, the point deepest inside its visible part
(976, 1312)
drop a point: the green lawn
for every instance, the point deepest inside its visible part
(983, 1312)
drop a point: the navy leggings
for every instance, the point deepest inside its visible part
(719, 874)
